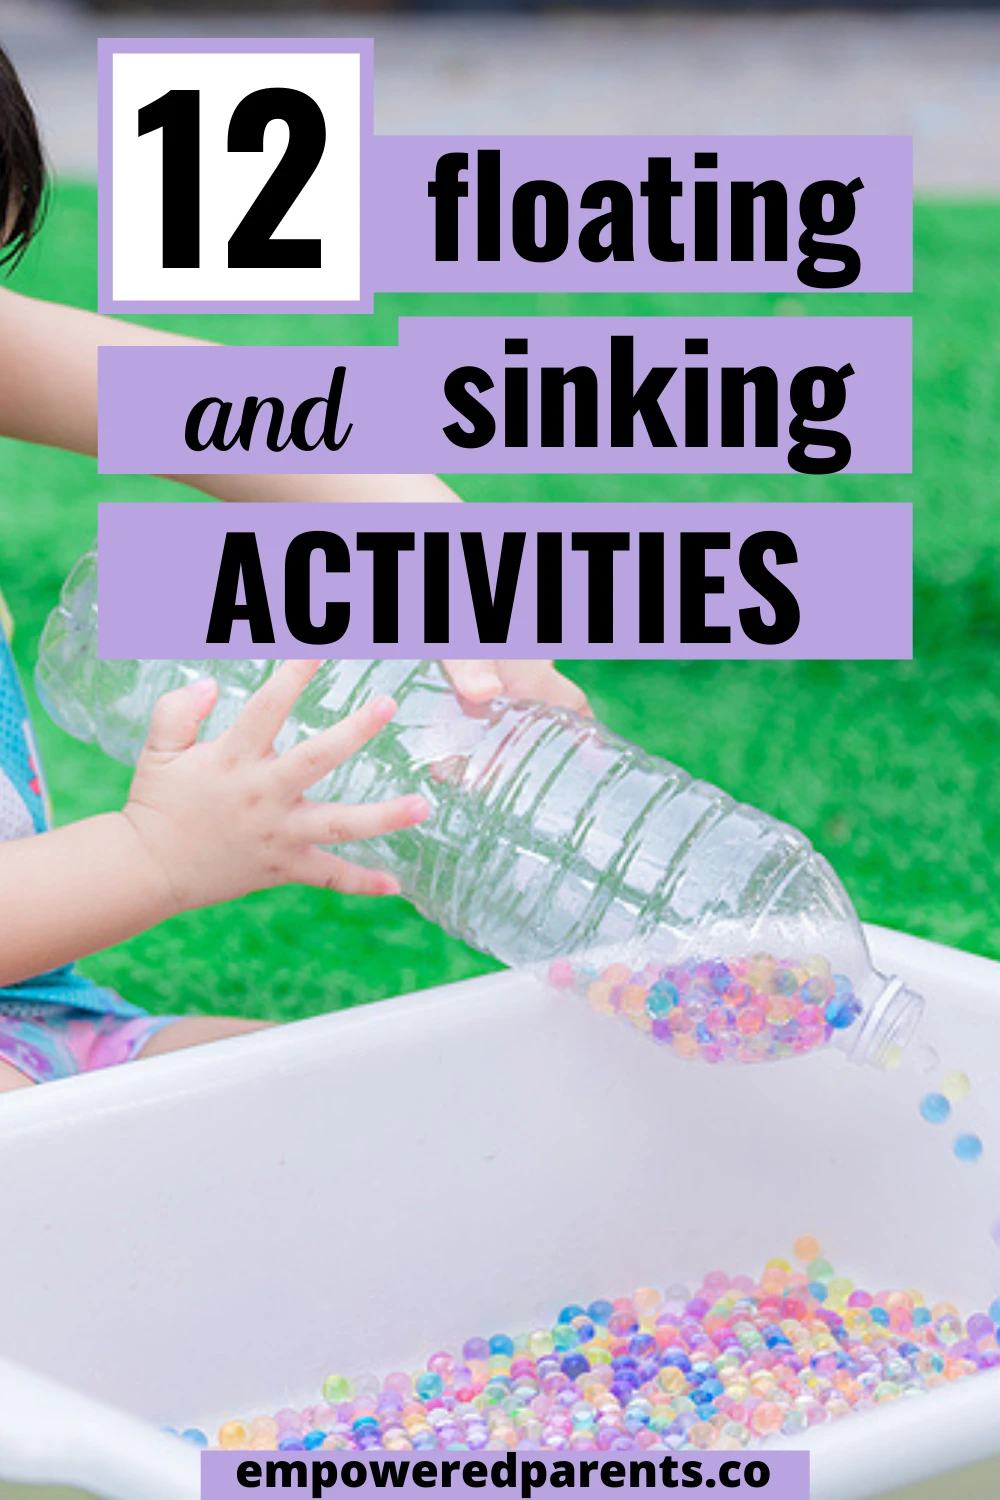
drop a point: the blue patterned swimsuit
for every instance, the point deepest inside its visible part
(59, 1022)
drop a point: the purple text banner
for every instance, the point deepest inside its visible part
(524, 395)
(521, 1475)
(603, 581)
(616, 207)
(454, 214)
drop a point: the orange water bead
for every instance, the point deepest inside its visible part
(750, 1020)
(672, 1380)
(646, 1301)
(233, 1435)
(632, 999)
(685, 1046)
(617, 974)
(768, 1417)
(599, 996)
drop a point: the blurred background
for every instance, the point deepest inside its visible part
(889, 767)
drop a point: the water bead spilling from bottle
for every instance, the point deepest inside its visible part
(746, 1010)
(723, 1366)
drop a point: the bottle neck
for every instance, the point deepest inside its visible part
(891, 1016)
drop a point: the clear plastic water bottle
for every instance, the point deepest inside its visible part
(555, 845)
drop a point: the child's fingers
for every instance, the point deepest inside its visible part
(316, 867)
(541, 680)
(258, 726)
(177, 715)
(335, 823)
(478, 681)
(305, 764)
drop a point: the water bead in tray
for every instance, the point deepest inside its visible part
(755, 1009)
(724, 1365)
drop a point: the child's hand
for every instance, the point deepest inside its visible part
(229, 816)
(479, 681)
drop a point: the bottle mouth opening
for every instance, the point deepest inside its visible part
(892, 1014)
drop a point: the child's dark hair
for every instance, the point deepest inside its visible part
(22, 167)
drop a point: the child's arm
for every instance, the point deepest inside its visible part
(203, 823)
(48, 394)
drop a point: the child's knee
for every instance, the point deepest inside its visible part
(12, 1078)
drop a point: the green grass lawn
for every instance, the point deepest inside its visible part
(889, 767)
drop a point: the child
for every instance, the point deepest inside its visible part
(203, 822)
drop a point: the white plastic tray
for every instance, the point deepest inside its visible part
(181, 1237)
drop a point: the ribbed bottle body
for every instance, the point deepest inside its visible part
(548, 835)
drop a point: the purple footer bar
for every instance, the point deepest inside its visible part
(605, 580)
(521, 1475)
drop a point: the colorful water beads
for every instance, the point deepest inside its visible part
(936, 1108)
(739, 1010)
(722, 1366)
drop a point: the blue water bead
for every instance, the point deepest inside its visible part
(935, 1108)
(642, 1345)
(429, 1385)
(501, 1344)
(818, 1290)
(842, 1011)
(678, 1358)
(661, 1000)
(196, 1436)
(719, 977)
(600, 1311)
(575, 1365)
(968, 1147)
(879, 1315)
(569, 1313)
(314, 1439)
(922, 1315)
(993, 1310)
(291, 1445)
(584, 1328)
(424, 1440)
(622, 1389)
(702, 1033)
